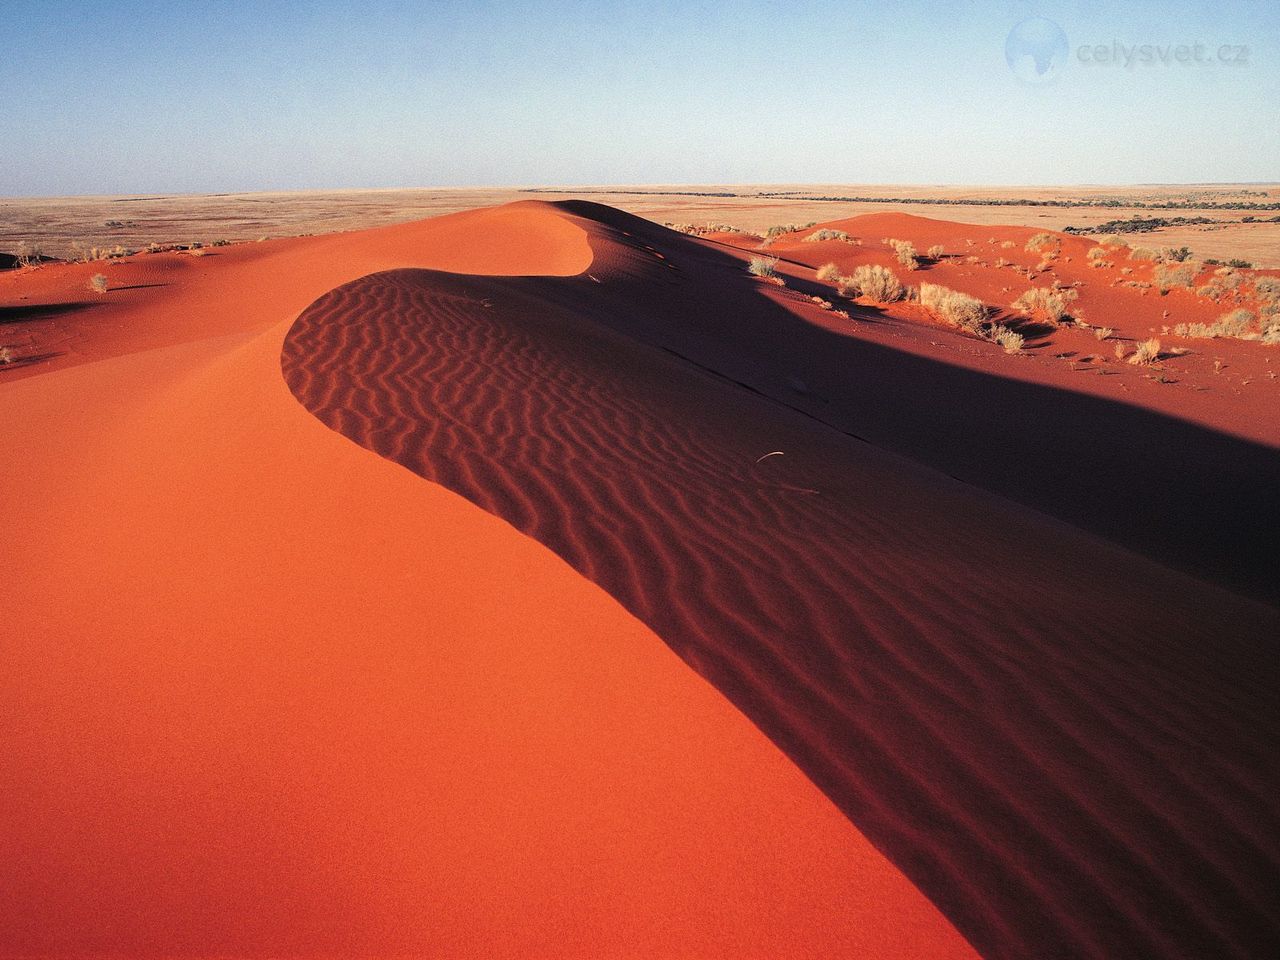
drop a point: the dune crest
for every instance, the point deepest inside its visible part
(270, 694)
(1063, 744)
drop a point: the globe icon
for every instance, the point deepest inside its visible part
(1036, 50)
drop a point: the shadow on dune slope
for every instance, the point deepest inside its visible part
(1068, 748)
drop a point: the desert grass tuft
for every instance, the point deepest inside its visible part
(958, 309)
(824, 234)
(905, 251)
(1167, 276)
(1011, 340)
(763, 267)
(1048, 303)
(878, 284)
(28, 254)
(1236, 323)
(1148, 351)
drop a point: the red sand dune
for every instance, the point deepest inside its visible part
(1064, 743)
(267, 694)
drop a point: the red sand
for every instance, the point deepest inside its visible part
(294, 661)
(1060, 742)
(268, 694)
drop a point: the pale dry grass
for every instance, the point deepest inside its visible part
(1046, 303)
(958, 309)
(874, 282)
(1148, 351)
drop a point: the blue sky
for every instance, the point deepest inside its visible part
(135, 96)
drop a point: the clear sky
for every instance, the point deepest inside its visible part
(143, 96)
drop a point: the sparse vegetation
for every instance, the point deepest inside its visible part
(1097, 257)
(1267, 288)
(1102, 333)
(1170, 275)
(1011, 340)
(1040, 241)
(824, 234)
(1148, 351)
(687, 228)
(878, 284)
(958, 309)
(1236, 323)
(98, 283)
(828, 273)
(28, 254)
(1047, 303)
(7, 356)
(935, 252)
(1225, 280)
(905, 251)
(91, 254)
(763, 267)
(779, 229)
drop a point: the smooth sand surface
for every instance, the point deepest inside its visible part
(267, 693)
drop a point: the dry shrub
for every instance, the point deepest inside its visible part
(1009, 339)
(1267, 289)
(1048, 303)
(958, 309)
(28, 254)
(763, 267)
(1148, 351)
(1041, 241)
(1170, 275)
(878, 284)
(98, 283)
(905, 251)
(1236, 323)
(824, 234)
(828, 273)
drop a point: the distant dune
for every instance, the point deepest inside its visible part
(990, 639)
